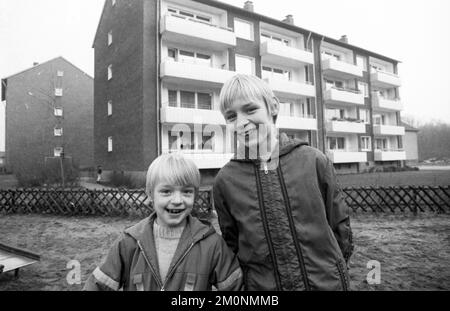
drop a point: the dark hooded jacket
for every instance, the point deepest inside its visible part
(202, 260)
(286, 220)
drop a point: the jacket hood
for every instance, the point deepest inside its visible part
(285, 145)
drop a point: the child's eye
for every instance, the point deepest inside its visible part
(165, 191)
(252, 110)
(189, 191)
(230, 117)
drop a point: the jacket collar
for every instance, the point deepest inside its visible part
(285, 146)
(142, 232)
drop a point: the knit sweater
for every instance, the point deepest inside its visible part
(166, 242)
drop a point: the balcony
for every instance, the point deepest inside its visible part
(291, 89)
(280, 54)
(384, 79)
(209, 160)
(175, 115)
(346, 156)
(388, 130)
(346, 97)
(339, 69)
(297, 123)
(191, 74)
(185, 30)
(386, 155)
(343, 126)
(383, 104)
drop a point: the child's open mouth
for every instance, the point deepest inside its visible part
(174, 211)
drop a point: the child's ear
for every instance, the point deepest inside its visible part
(275, 107)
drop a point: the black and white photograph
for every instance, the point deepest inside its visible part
(229, 146)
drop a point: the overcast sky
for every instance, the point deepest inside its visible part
(416, 32)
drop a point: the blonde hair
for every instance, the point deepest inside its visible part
(249, 88)
(174, 169)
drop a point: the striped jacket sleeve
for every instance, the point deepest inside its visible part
(227, 274)
(109, 275)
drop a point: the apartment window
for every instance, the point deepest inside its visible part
(379, 119)
(58, 112)
(375, 67)
(286, 109)
(187, 14)
(190, 57)
(204, 101)
(363, 87)
(381, 144)
(305, 108)
(173, 98)
(400, 142)
(336, 143)
(334, 114)
(196, 141)
(334, 83)
(265, 36)
(361, 62)
(245, 65)
(113, 2)
(110, 108)
(188, 99)
(60, 73)
(243, 29)
(58, 151)
(205, 141)
(110, 144)
(332, 55)
(58, 131)
(364, 115)
(59, 92)
(110, 38)
(110, 73)
(276, 73)
(365, 143)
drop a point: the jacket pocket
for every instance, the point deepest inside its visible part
(343, 275)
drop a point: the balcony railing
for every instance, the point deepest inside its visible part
(199, 21)
(187, 30)
(384, 79)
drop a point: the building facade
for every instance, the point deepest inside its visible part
(49, 114)
(161, 63)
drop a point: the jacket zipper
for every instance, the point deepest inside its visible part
(292, 227)
(169, 274)
(266, 229)
(156, 275)
(342, 276)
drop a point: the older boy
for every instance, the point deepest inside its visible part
(170, 250)
(281, 211)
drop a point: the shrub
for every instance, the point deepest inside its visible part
(121, 179)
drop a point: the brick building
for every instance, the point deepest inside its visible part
(49, 113)
(162, 62)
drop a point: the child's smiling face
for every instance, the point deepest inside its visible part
(173, 203)
(253, 122)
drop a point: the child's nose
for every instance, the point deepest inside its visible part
(176, 199)
(241, 120)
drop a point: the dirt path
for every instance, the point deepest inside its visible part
(414, 252)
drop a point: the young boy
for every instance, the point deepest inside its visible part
(281, 212)
(170, 250)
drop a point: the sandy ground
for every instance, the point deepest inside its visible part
(414, 252)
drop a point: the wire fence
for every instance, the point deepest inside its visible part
(123, 202)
